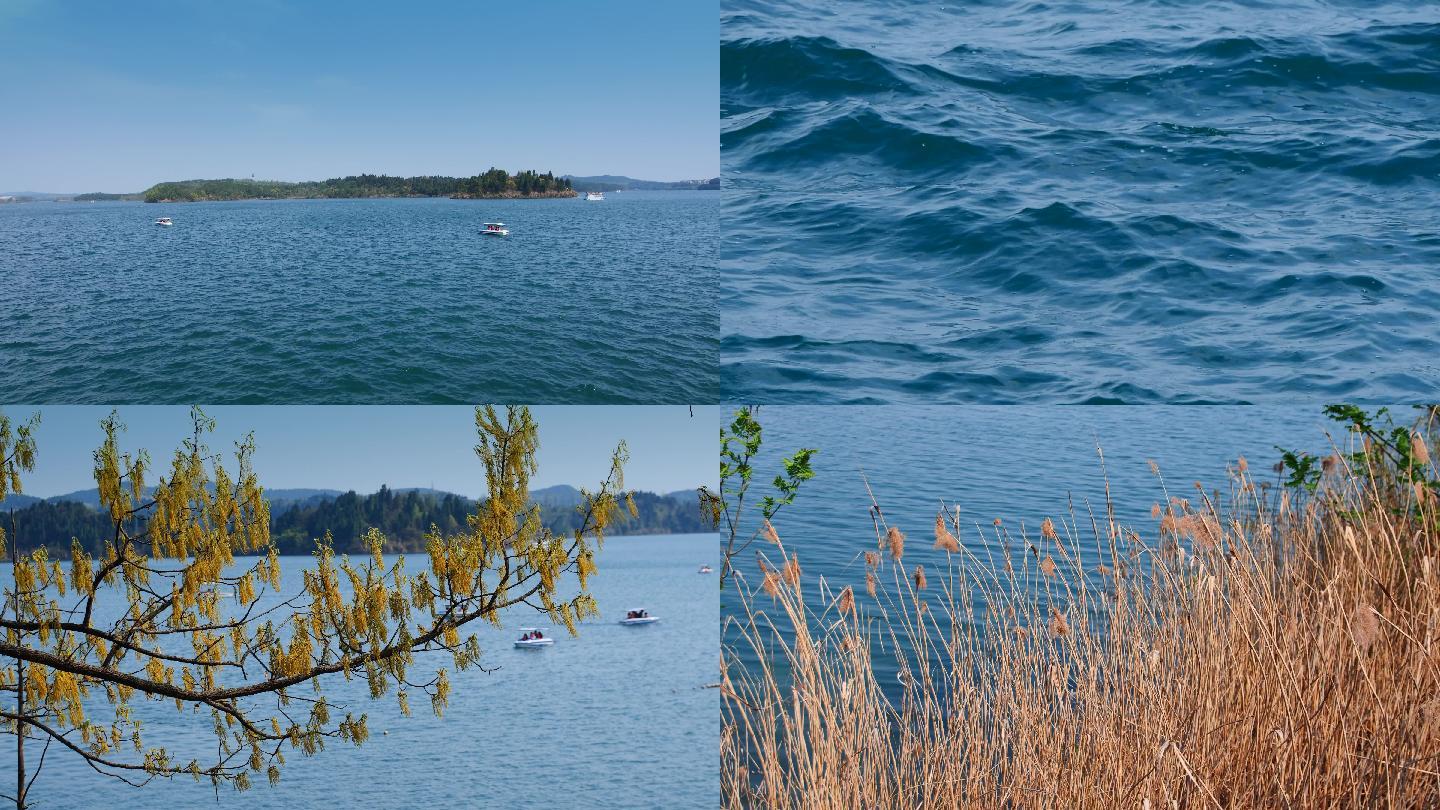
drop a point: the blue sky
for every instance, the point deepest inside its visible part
(106, 96)
(361, 447)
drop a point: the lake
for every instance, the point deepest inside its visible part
(1141, 202)
(1020, 463)
(617, 717)
(361, 301)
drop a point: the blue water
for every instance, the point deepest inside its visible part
(1020, 464)
(1142, 201)
(619, 717)
(361, 301)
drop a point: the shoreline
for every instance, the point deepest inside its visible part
(405, 549)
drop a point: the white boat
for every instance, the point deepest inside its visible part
(532, 638)
(496, 229)
(594, 196)
(636, 616)
(166, 221)
(705, 569)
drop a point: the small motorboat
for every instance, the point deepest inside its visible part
(637, 616)
(595, 196)
(496, 229)
(533, 638)
(166, 221)
(705, 569)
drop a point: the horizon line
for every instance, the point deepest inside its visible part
(379, 174)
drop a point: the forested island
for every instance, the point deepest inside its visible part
(492, 184)
(100, 196)
(404, 516)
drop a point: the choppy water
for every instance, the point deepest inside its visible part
(1136, 201)
(618, 717)
(1020, 463)
(361, 301)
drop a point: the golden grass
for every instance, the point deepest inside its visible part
(1267, 651)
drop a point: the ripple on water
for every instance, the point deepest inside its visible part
(361, 301)
(1055, 203)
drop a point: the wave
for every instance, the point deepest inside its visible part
(1031, 202)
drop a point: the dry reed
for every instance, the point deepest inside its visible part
(1273, 651)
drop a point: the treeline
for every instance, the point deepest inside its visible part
(497, 183)
(493, 183)
(100, 196)
(403, 517)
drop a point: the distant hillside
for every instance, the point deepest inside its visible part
(42, 196)
(35, 195)
(617, 182)
(299, 516)
(100, 196)
(280, 499)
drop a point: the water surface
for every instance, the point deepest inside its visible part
(361, 301)
(1020, 464)
(618, 717)
(1140, 201)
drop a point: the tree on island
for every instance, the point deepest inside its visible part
(211, 631)
(493, 183)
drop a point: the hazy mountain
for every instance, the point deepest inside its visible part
(13, 501)
(559, 495)
(299, 516)
(36, 195)
(280, 499)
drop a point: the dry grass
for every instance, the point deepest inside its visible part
(1260, 652)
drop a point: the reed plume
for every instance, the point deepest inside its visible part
(1264, 650)
(896, 540)
(943, 538)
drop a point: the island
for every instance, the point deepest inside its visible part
(492, 184)
(100, 196)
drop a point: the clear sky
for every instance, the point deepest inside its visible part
(362, 447)
(106, 96)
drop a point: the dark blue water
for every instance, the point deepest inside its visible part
(1141, 201)
(1020, 464)
(619, 717)
(361, 301)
